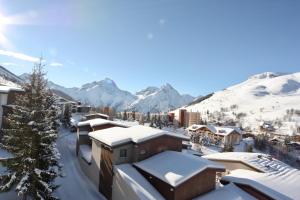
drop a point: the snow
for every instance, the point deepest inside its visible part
(259, 161)
(137, 134)
(86, 152)
(166, 166)
(75, 184)
(6, 89)
(143, 189)
(99, 122)
(276, 179)
(282, 185)
(264, 97)
(229, 191)
(97, 114)
(224, 131)
(161, 99)
(100, 93)
(106, 92)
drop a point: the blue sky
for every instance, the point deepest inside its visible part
(198, 46)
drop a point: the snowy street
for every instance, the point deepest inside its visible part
(74, 185)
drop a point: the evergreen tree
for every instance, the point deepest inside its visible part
(67, 115)
(30, 136)
(148, 117)
(125, 115)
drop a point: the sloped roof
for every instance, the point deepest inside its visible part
(7, 89)
(261, 162)
(137, 134)
(229, 191)
(134, 180)
(99, 122)
(283, 185)
(219, 130)
(174, 167)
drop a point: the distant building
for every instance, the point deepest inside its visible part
(225, 135)
(183, 118)
(8, 95)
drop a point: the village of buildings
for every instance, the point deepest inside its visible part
(173, 156)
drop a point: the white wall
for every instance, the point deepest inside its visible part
(3, 101)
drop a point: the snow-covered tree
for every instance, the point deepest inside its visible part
(31, 137)
(67, 115)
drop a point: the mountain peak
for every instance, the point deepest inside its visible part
(167, 86)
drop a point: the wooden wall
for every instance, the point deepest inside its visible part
(201, 183)
(149, 148)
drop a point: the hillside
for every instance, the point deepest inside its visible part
(263, 97)
(8, 78)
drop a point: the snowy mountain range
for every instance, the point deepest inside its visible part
(107, 93)
(8, 78)
(263, 97)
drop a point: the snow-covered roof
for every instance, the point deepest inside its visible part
(7, 89)
(174, 167)
(195, 127)
(133, 179)
(283, 185)
(226, 130)
(137, 134)
(229, 191)
(97, 114)
(99, 122)
(261, 162)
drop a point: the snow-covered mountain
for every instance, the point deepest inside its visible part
(8, 78)
(155, 99)
(99, 93)
(107, 93)
(263, 97)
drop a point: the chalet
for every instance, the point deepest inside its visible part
(179, 181)
(115, 146)
(215, 134)
(84, 127)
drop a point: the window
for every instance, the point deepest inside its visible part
(123, 153)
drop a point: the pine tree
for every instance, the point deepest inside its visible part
(30, 136)
(125, 115)
(67, 115)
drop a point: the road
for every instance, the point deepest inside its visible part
(74, 185)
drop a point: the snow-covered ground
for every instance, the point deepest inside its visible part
(263, 97)
(74, 185)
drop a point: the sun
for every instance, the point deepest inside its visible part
(4, 21)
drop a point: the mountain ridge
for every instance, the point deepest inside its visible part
(107, 93)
